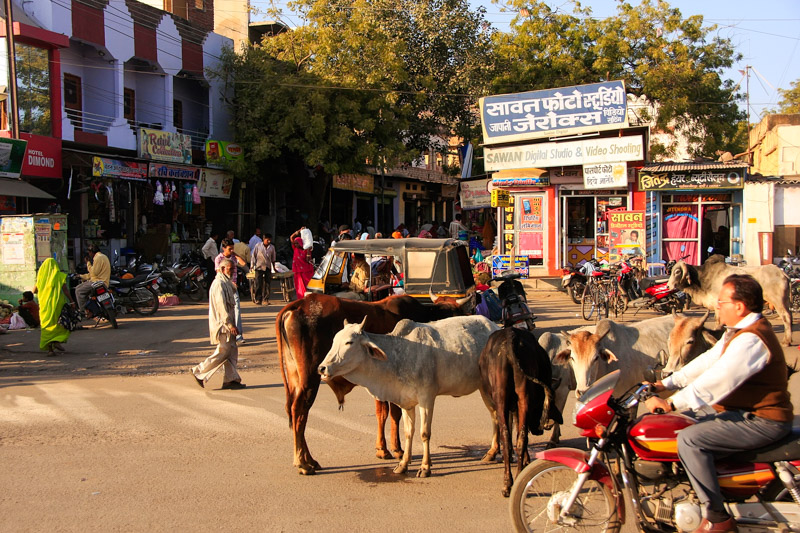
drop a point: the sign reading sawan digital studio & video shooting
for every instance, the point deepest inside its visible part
(565, 154)
(554, 112)
(160, 145)
(721, 178)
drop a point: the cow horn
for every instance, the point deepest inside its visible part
(603, 328)
(431, 296)
(363, 322)
(462, 301)
(704, 317)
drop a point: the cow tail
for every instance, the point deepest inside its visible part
(284, 348)
(548, 393)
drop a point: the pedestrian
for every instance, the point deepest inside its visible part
(261, 263)
(222, 330)
(302, 266)
(99, 270)
(210, 252)
(344, 233)
(53, 296)
(458, 230)
(230, 234)
(227, 253)
(254, 240)
(357, 226)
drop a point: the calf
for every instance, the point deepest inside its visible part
(515, 377)
(411, 366)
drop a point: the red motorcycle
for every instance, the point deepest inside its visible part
(636, 461)
(660, 298)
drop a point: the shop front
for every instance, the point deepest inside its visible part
(695, 209)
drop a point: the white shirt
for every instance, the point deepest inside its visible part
(710, 378)
(455, 227)
(210, 249)
(255, 239)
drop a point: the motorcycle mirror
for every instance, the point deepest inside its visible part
(651, 375)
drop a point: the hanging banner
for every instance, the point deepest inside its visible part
(554, 112)
(722, 178)
(354, 182)
(583, 152)
(214, 183)
(220, 153)
(626, 234)
(605, 176)
(12, 154)
(165, 146)
(103, 167)
(475, 194)
(158, 170)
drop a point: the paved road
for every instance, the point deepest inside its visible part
(92, 443)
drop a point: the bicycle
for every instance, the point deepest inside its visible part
(595, 297)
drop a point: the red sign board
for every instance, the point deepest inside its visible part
(43, 157)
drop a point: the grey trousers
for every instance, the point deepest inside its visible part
(238, 314)
(716, 437)
(82, 293)
(226, 355)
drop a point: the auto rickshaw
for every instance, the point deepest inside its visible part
(422, 268)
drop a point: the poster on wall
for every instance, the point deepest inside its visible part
(214, 183)
(531, 214)
(42, 232)
(626, 234)
(475, 194)
(532, 245)
(13, 248)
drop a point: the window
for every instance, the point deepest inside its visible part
(33, 89)
(73, 100)
(129, 105)
(177, 115)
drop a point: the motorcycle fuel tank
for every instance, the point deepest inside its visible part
(654, 437)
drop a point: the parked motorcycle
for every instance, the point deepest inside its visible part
(790, 264)
(516, 312)
(574, 282)
(635, 461)
(139, 293)
(184, 276)
(658, 296)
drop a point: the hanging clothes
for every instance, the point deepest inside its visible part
(158, 199)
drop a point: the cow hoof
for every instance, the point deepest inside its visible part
(383, 454)
(489, 457)
(306, 471)
(506, 491)
(398, 454)
(400, 469)
(424, 472)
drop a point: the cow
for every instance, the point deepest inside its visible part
(704, 282)
(563, 378)
(411, 366)
(633, 349)
(304, 333)
(688, 339)
(515, 377)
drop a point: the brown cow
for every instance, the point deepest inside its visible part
(515, 377)
(304, 332)
(688, 339)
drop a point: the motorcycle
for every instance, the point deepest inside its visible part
(574, 282)
(139, 293)
(184, 276)
(635, 461)
(100, 304)
(790, 264)
(516, 312)
(658, 296)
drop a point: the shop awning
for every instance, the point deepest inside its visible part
(14, 187)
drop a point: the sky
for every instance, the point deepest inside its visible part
(765, 33)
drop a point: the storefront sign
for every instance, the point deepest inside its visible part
(542, 181)
(584, 152)
(605, 175)
(102, 167)
(705, 179)
(158, 170)
(531, 214)
(475, 194)
(500, 198)
(626, 233)
(214, 183)
(554, 112)
(354, 182)
(12, 153)
(43, 158)
(165, 146)
(220, 153)
(501, 263)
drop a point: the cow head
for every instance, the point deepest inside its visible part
(679, 277)
(349, 350)
(688, 339)
(586, 355)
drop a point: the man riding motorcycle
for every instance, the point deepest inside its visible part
(99, 270)
(741, 385)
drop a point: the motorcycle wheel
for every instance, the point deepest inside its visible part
(541, 488)
(576, 292)
(195, 291)
(112, 317)
(145, 305)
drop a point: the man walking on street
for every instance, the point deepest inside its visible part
(227, 253)
(223, 331)
(261, 263)
(99, 270)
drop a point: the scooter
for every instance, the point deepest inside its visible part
(635, 461)
(516, 312)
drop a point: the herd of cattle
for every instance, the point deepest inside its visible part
(406, 354)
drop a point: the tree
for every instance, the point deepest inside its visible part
(674, 61)
(361, 83)
(790, 98)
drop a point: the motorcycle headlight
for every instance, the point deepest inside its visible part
(578, 406)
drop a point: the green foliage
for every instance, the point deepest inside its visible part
(790, 98)
(675, 62)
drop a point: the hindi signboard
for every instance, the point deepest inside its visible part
(554, 112)
(626, 233)
(162, 171)
(103, 167)
(605, 176)
(475, 194)
(564, 154)
(354, 182)
(518, 263)
(721, 178)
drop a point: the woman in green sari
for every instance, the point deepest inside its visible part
(53, 295)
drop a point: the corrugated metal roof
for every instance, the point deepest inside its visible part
(669, 166)
(773, 179)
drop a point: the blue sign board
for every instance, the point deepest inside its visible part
(553, 112)
(501, 263)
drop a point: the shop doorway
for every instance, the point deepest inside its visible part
(584, 226)
(696, 226)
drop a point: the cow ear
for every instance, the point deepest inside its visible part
(346, 322)
(709, 336)
(566, 337)
(608, 356)
(562, 357)
(375, 352)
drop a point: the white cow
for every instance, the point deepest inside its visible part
(632, 349)
(411, 366)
